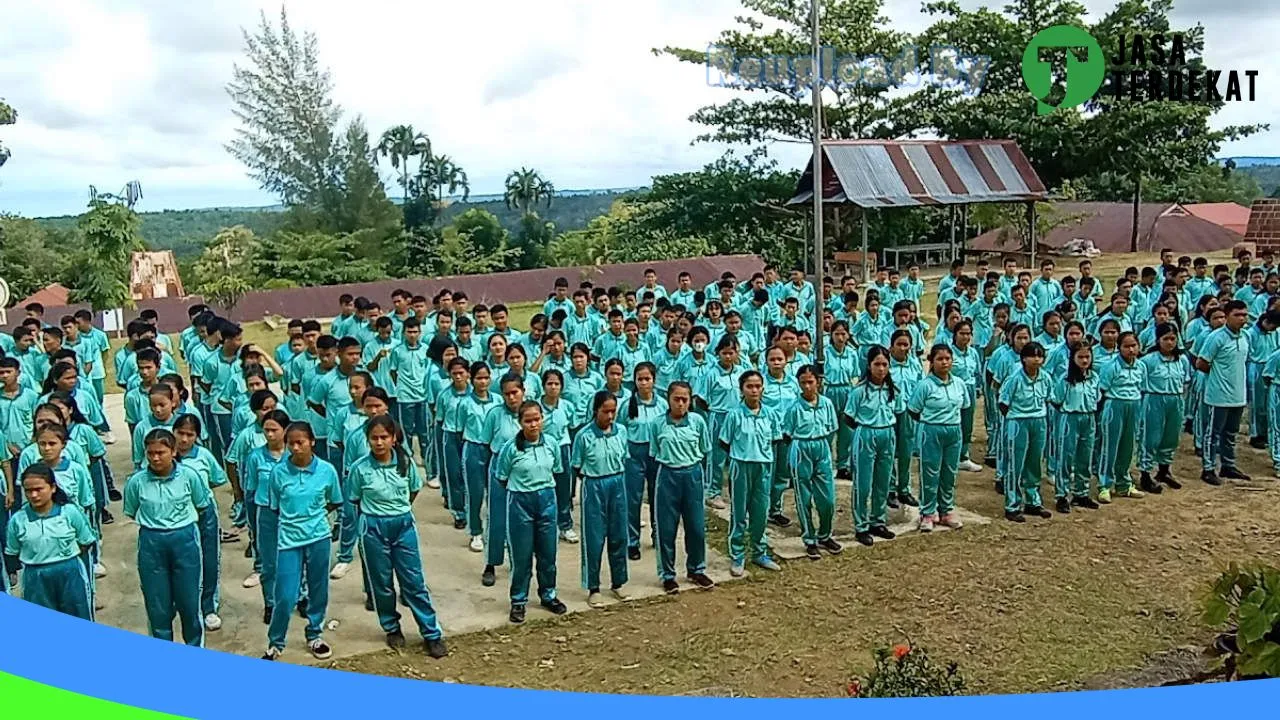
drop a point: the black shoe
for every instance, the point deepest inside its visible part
(1258, 443)
(517, 614)
(554, 606)
(882, 532)
(436, 648)
(908, 499)
(999, 486)
(335, 532)
(1199, 453)
(670, 587)
(115, 495)
(812, 552)
(460, 524)
(487, 578)
(1186, 428)
(368, 603)
(831, 546)
(864, 538)
(107, 517)
(1209, 478)
(248, 551)
(633, 553)
(1166, 477)
(1147, 485)
(1085, 502)
(780, 520)
(893, 501)
(227, 537)
(844, 474)
(302, 609)
(266, 616)
(1037, 511)
(1231, 473)
(1014, 516)
(1063, 505)
(989, 462)
(395, 640)
(702, 581)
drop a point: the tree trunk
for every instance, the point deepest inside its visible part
(1137, 205)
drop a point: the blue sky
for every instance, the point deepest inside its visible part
(110, 91)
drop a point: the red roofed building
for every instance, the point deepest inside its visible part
(1229, 215)
(1109, 227)
(54, 295)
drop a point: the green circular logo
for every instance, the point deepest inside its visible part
(1082, 79)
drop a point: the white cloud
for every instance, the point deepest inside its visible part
(114, 90)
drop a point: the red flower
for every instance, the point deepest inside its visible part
(900, 651)
(854, 687)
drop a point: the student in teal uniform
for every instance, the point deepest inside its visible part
(936, 405)
(1201, 414)
(526, 467)
(383, 484)
(501, 424)
(556, 418)
(679, 443)
(255, 476)
(1168, 371)
(1121, 381)
(872, 410)
(697, 362)
(217, 378)
(748, 434)
(966, 365)
(410, 374)
(809, 422)
(497, 357)
(95, 345)
(303, 490)
(375, 357)
(667, 360)
(1076, 396)
(329, 392)
(471, 411)
(718, 392)
(446, 399)
(841, 369)
(1004, 362)
(907, 372)
(261, 403)
(164, 499)
(641, 407)
(49, 536)
(780, 390)
(52, 443)
(1023, 400)
(518, 365)
(186, 430)
(599, 458)
(1264, 339)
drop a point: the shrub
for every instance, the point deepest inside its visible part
(907, 671)
(1244, 602)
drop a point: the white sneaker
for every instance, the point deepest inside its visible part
(434, 483)
(339, 571)
(477, 543)
(569, 536)
(253, 581)
(926, 523)
(320, 649)
(596, 600)
(768, 564)
(212, 622)
(620, 594)
(970, 466)
(99, 570)
(737, 570)
(644, 521)
(107, 438)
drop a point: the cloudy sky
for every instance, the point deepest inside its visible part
(110, 91)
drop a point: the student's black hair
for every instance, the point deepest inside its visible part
(477, 367)
(552, 372)
(516, 348)
(488, 344)
(174, 382)
(65, 399)
(1014, 329)
(311, 326)
(55, 372)
(598, 400)
(1163, 329)
(725, 343)
(497, 308)
(196, 311)
(808, 370)
(900, 332)
(345, 343)
(604, 370)
(376, 392)
(252, 371)
(53, 331)
(328, 342)
(697, 330)
(509, 377)
(9, 363)
(633, 405)
(301, 426)
(382, 323)
(748, 375)
(1032, 349)
(1074, 373)
(520, 441)
(259, 398)
(1232, 305)
(58, 429)
(163, 436)
(874, 352)
(936, 349)
(44, 472)
(459, 361)
(403, 462)
(280, 417)
(295, 323)
(188, 420)
(365, 376)
(150, 355)
(437, 346)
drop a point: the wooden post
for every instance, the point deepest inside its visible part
(951, 210)
(866, 271)
(1031, 230)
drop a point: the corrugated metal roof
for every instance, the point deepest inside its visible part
(908, 173)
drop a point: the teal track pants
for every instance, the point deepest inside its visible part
(415, 421)
(210, 559)
(716, 460)
(873, 458)
(604, 524)
(678, 499)
(475, 468)
(61, 586)
(905, 435)
(531, 530)
(268, 525)
(1024, 450)
(564, 492)
(641, 474)
(311, 560)
(389, 545)
(844, 436)
(1075, 455)
(1162, 420)
(781, 476)
(451, 462)
(169, 567)
(1257, 399)
(749, 487)
(1273, 426)
(1119, 419)
(810, 461)
(992, 420)
(967, 416)
(939, 460)
(495, 542)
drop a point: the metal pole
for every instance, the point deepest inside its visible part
(866, 268)
(1031, 231)
(952, 211)
(819, 301)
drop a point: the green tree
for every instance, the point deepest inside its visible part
(282, 97)
(531, 242)
(8, 116)
(31, 256)
(315, 258)
(461, 250)
(525, 189)
(400, 143)
(101, 270)
(780, 108)
(224, 272)
(483, 231)
(439, 177)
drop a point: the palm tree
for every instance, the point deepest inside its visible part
(443, 177)
(399, 144)
(526, 189)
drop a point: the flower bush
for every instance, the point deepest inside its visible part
(1244, 602)
(907, 671)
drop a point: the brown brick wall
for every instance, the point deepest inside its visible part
(1264, 225)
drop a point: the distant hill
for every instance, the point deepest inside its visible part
(1250, 161)
(1265, 171)
(185, 231)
